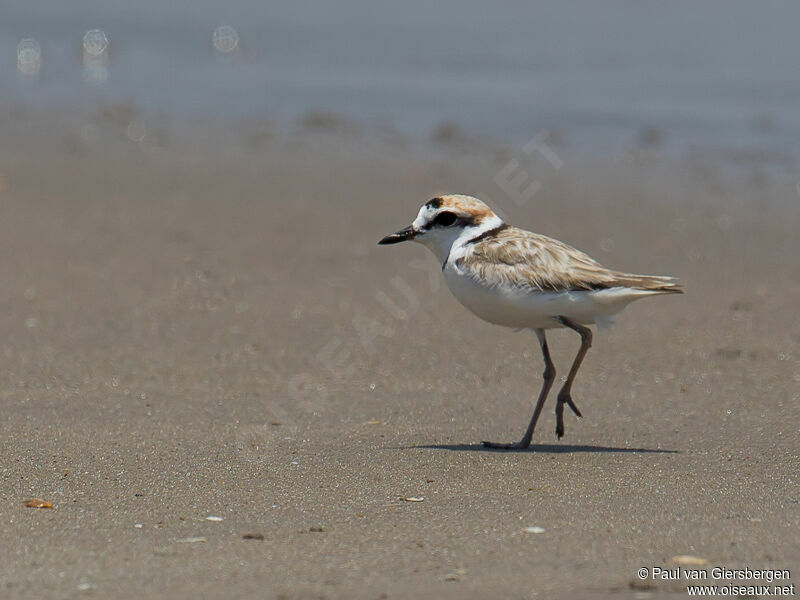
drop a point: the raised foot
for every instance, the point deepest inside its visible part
(513, 446)
(567, 399)
(559, 427)
(560, 402)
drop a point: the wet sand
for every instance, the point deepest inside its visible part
(198, 329)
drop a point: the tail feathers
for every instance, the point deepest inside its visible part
(650, 283)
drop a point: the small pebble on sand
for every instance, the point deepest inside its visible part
(686, 559)
(534, 529)
(36, 503)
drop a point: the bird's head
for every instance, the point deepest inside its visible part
(444, 220)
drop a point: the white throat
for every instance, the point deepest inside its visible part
(449, 243)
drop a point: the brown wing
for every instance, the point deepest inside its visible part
(523, 259)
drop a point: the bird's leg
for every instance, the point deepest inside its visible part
(564, 396)
(549, 376)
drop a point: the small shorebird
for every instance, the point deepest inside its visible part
(515, 278)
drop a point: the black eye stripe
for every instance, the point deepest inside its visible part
(434, 203)
(445, 219)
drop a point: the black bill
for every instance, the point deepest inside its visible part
(400, 236)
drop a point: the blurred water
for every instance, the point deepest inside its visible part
(718, 73)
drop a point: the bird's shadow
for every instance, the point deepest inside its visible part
(544, 449)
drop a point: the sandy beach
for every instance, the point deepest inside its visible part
(202, 325)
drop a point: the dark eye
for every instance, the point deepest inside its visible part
(445, 219)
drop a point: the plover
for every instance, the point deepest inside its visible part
(524, 280)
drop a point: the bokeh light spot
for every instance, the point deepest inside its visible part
(29, 57)
(95, 42)
(136, 130)
(226, 39)
(95, 56)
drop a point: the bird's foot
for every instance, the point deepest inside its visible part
(567, 399)
(521, 445)
(560, 402)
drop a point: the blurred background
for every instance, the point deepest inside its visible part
(196, 321)
(720, 75)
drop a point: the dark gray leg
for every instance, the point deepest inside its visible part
(549, 376)
(564, 396)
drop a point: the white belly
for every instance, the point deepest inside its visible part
(519, 308)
